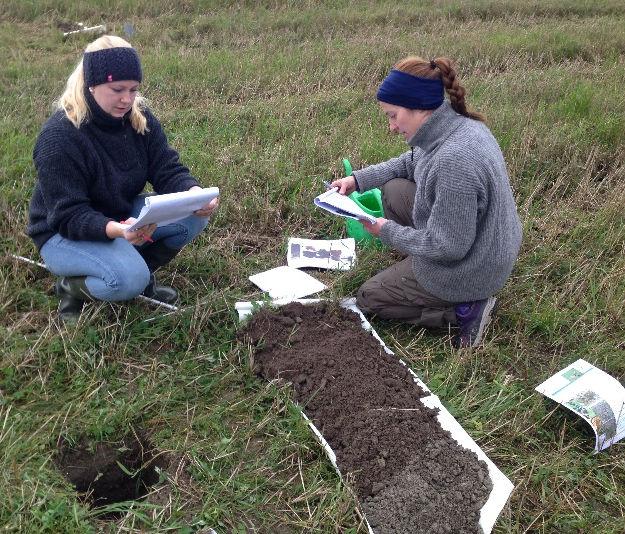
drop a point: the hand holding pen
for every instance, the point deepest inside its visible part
(138, 237)
(344, 186)
(116, 229)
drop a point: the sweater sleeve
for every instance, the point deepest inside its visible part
(377, 175)
(165, 172)
(452, 225)
(63, 185)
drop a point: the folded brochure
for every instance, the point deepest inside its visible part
(594, 395)
(337, 254)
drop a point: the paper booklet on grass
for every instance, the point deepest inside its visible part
(165, 209)
(342, 205)
(337, 254)
(592, 394)
(287, 282)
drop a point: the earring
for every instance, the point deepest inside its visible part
(91, 90)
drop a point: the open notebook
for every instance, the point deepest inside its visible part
(342, 205)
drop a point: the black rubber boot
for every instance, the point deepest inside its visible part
(157, 255)
(165, 294)
(73, 293)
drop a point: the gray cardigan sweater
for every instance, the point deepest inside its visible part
(466, 232)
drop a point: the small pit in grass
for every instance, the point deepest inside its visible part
(106, 473)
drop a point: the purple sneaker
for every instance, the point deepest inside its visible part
(473, 317)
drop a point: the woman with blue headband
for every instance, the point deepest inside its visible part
(94, 156)
(448, 206)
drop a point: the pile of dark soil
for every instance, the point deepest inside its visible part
(409, 474)
(107, 473)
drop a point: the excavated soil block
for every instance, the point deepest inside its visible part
(95, 469)
(409, 474)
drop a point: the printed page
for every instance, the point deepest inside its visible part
(592, 394)
(339, 254)
(342, 205)
(165, 209)
(287, 282)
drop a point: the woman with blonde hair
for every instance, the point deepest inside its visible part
(448, 206)
(94, 157)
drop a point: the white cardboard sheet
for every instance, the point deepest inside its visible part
(287, 283)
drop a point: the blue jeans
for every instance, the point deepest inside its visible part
(115, 269)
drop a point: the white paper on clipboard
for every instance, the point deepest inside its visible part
(165, 209)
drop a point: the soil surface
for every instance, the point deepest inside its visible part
(409, 474)
(95, 469)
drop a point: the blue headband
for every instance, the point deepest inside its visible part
(111, 65)
(413, 92)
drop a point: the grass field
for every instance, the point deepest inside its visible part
(263, 99)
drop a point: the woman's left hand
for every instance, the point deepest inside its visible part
(374, 229)
(208, 209)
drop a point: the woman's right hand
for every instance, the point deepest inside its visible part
(345, 185)
(138, 237)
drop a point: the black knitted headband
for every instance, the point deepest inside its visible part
(111, 65)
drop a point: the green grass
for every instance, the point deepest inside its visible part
(264, 99)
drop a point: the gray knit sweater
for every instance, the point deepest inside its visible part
(467, 234)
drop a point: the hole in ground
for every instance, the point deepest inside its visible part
(108, 473)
